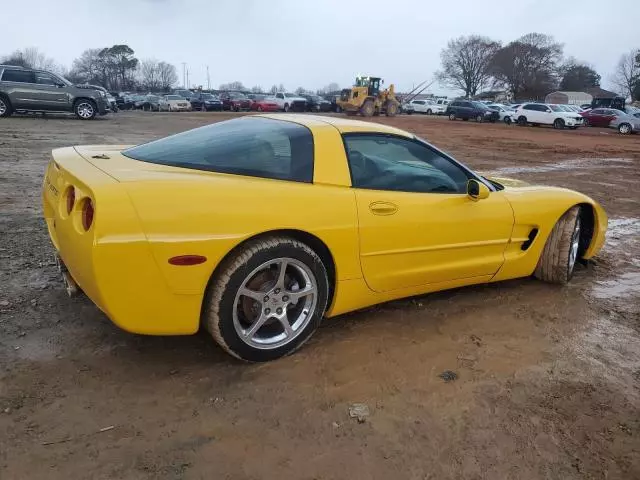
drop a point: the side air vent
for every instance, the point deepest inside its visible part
(532, 236)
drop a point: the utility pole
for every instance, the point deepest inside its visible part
(208, 79)
(184, 78)
(188, 79)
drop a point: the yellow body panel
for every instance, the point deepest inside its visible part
(384, 245)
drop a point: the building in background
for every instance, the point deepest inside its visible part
(580, 98)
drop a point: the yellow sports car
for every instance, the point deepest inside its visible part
(257, 227)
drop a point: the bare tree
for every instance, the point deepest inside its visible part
(528, 67)
(273, 90)
(466, 63)
(33, 58)
(167, 75)
(149, 73)
(627, 73)
(256, 89)
(300, 91)
(237, 85)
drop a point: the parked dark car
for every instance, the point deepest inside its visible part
(26, 89)
(466, 109)
(149, 103)
(315, 103)
(206, 102)
(183, 93)
(235, 101)
(333, 100)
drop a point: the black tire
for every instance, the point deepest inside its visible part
(558, 124)
(429, 111)
(367, 109)
(522, 121)
(238, 270)
(452, 116)
(625, 129)
(259, 108)
(479, 118)
(556, 264)
(507, 120)
(203, 108)
(85, 109)
(5, 107)
(391, 109)
(286, 107)
(585, 122)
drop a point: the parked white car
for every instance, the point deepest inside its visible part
(290, 101)
(420, 106)
(440, 105)
(174, 103)
(506, 113)
(544, 114)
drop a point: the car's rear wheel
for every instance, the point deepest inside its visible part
(479, 118)
(624, 128)
(522, 121)
(562, 250)
(267, 299)
(558, 124)
(85, 109)
(507, 120)
(5, 107)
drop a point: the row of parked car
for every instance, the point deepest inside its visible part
(187, 100)
(558, 116)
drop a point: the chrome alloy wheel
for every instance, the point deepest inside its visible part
(575, 245)
(85, 110)
(3, 107)
(275, 303)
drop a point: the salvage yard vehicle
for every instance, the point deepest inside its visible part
(419, 106)
(367, 99)
(315, 103)
(256, 228)
(264, 103)
(467, 109)
(290, 102)
(543, 114)
(174, 103)
(505, 113)
(30, 90)
(235, 101)
(600, 117)
(626, 124)
(206, 102)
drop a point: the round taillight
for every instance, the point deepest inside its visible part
(71, 199)
(87, 214)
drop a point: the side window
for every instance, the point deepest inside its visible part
(22, 76)
(45, 79)
(420, 102)
(529, 106)
(279, 95)
(382, 162)
(455, 104)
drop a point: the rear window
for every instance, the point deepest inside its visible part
(256, 147)
(22, 76)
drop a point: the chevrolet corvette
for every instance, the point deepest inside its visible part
(258, 227)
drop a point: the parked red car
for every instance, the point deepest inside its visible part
(263, 103)
(235, 101)
(600, 117)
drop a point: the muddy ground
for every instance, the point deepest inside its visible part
(548, 377)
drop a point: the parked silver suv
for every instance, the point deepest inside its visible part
(26, 89)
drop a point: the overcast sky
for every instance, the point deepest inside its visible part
(311, 43)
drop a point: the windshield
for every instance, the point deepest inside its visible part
(237, 95)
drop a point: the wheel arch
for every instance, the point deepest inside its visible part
(314, 242)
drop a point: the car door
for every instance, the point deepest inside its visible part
(417, 226)
(609, 116)
(18, 84)
(49, 92)
(595, 117)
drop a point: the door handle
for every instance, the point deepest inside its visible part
(383, 208)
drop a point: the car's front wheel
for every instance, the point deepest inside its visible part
(562, 249)
(452, 116)
(85, 109)
(267, 300)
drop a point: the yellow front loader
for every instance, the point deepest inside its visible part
(366, 98)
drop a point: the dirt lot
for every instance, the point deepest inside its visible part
(548, 377)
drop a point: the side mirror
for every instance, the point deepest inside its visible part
(477, 190)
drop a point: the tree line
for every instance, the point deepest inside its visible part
(527, 68)
(115, 68)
